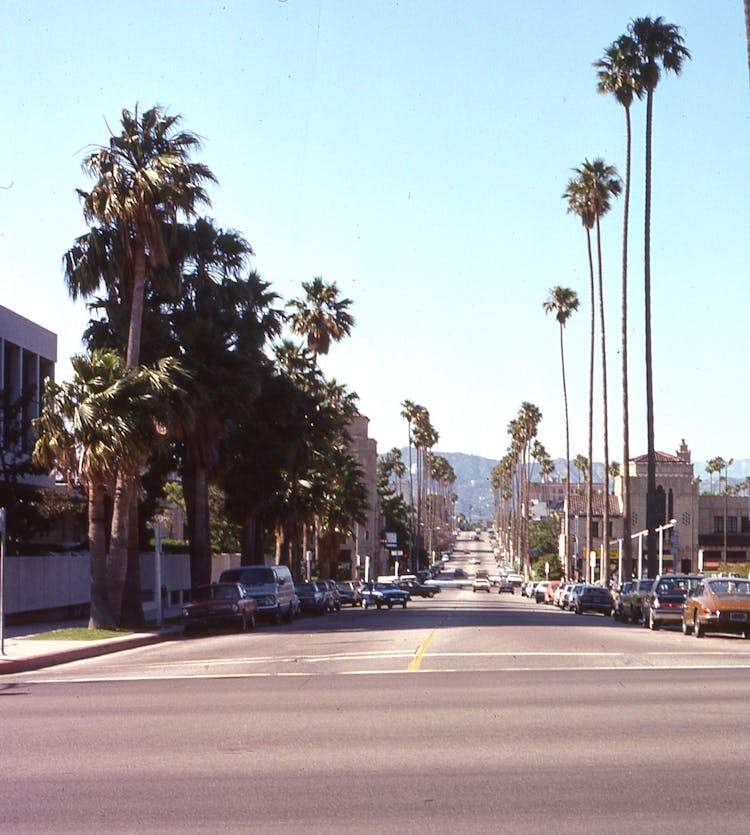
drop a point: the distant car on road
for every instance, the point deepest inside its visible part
(631, 606)
(313, 598)
(349, 593)
(481, 584)
(506, 585)
(220, 603)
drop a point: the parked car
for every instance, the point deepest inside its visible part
(632, 602)
(563, 600)
(481, 584)
(271, 586)
(349, 593)
(332, 595)
(385, 594)
(590, 598)
(516, 579)
(617, 598)
(539, 590)
(313, 598)
(220, 603)
(549, 591)
(717, 604)
(663, 603)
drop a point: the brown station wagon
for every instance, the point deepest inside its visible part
(718, 604)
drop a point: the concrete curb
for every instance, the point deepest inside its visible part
(85, 649)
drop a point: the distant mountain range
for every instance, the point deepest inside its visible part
(474, 479)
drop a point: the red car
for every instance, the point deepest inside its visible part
(220, 603)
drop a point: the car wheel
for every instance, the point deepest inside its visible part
(430, 594)
(643, 620)
(277, 616)
(653, 623)
(686, 627)
(289, 617)
(578, 610)
(699, 629)
(403, 605)
(379, 605)
(390, 604)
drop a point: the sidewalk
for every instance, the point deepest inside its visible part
(22, 652)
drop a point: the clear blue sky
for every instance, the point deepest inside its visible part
(416, 153)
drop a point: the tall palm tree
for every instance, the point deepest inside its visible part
(618, 74)
(658, 47)
(579, 203)
(144, 181)
(601, 183)
(321, 316)
(409, 412)
(563, 302)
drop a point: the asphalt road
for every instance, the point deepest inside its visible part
(466, 713)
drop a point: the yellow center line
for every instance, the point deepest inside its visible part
(417, 660)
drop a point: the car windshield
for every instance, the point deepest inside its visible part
(343, 587)
(383, 586)
(215, 593)
(253, 576)
(730, 586)
(306, 587)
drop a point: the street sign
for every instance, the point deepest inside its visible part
(397, 553)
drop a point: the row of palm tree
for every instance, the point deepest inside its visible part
(631, 68)
(186, 374)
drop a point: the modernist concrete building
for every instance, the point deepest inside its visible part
(28, 353)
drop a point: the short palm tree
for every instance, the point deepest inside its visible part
(563, 302)
(659, 47)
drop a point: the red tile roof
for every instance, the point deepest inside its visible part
(579, 507)
(660, 458)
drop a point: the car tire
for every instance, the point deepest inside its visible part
(430, 594)
(390, 604)
(699, 630)
(653, 623)
(403, 605)
(577, 610)
(686, 627)
(289, 617)
(379, 605)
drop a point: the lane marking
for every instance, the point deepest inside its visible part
(417, 660)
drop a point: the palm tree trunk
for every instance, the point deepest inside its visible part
(195, 485)
(132, 606)
(651, 509)
(117, 564)
(590, 478)
(100, 613)
(627, 545)
(568, 569)
(605, 511)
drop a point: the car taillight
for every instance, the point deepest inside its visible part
(708, 612)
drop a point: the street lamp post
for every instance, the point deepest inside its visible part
(660, 529)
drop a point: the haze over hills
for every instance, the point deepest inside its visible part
(474, 485)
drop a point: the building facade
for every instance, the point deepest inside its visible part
(28, 353)
(698, 532)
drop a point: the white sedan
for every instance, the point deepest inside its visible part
(481, 584)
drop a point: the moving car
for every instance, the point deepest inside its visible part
(540, 590)
(384, 594)
(220, 603)
(505, 585)
(717, 604)
(589, 598)
(663, 603)
(481, 584)
(417, 589)
(551, 590)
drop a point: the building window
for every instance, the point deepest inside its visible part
(718, 524)
(685, 518)
(731, 524)
(634, 520)
(745, 524)
(595, 530)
